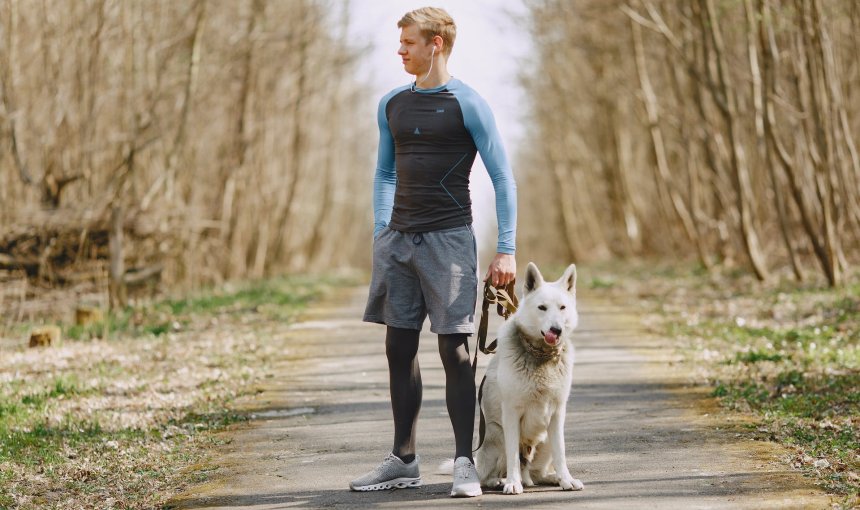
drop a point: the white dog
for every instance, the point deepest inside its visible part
(525, 392)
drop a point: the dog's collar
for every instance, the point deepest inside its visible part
(541, 354)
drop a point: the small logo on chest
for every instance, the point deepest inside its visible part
(416, 132)
(440, 110)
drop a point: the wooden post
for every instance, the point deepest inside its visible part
(116, 286)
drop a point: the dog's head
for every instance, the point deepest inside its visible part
(548, 309)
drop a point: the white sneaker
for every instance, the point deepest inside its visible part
(393, 473)
(466, 483)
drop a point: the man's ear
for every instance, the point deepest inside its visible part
(533, 278)
(439, 43)
(568, 279)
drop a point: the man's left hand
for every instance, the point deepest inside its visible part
(502, 270)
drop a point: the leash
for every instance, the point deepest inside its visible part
(506, 303)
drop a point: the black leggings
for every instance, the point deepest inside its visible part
(401, 347)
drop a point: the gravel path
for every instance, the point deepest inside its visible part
(636, 435)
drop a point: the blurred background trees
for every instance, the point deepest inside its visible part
(193, 141)
(187, 142)
(724, 130)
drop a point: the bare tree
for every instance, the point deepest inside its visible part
(744, 146)
(197, 145)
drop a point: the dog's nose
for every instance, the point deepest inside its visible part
(556, 330)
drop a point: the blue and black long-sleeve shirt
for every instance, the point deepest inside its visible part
(428, 140)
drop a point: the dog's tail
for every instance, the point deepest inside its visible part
(447, 467)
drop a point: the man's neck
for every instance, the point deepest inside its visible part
(438, 76)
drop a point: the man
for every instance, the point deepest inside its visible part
(424, 250)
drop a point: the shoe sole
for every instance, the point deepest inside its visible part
(397, 483)
(466, 494)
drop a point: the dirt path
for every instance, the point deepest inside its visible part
(636, 437)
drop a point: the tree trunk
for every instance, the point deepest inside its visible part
(819, 140)
(765, 81)
(663, 175)
(743, 185)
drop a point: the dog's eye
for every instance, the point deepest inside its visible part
(563, 307)
(542, 307)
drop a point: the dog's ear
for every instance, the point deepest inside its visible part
(568, 279)
(533, 278)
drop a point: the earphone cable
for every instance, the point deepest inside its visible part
(433, 54)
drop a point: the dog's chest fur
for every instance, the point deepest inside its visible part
(535, 386)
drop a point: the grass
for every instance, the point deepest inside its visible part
(263, 294)
(42, 444)
(112, 415)
(275, 299)
(786, 354)
(802, 382)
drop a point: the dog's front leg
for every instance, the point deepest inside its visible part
(511, 424)
(559, 457)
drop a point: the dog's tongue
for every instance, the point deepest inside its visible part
(550, 337)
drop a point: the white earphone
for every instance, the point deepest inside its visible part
(432, 54)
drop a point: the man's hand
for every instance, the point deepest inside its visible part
(502, 270)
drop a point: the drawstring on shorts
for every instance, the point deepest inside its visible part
(417, 238)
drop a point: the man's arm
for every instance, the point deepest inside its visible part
(482, 126)
(385, 178)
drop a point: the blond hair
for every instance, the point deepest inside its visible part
(432, 21)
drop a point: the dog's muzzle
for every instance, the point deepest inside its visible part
(552, 337)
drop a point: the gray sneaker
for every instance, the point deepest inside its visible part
(393, 473)
(466, 483)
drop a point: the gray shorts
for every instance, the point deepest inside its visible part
(419, 274)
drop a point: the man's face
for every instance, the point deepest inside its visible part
(414, 50)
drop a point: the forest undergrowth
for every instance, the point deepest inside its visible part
(120, 414)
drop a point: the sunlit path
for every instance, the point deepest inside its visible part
(636, 436)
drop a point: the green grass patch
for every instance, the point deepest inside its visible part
(8, 409)
(276, 299)
(802, 382)
(598, 282)
(791, 393)
(757, 355)
(23, 416)
(60, 387)
(286, 292)
(41, 444)
(6, 500)
(211, 421)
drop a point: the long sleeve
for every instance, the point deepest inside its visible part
(385, 178)
(481, 125)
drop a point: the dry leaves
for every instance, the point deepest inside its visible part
(140, 393)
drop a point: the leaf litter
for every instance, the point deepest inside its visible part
(116, 423)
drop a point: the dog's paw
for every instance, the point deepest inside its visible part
(570, 483)
(527, 479)
(493, 483)
(513, 488)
